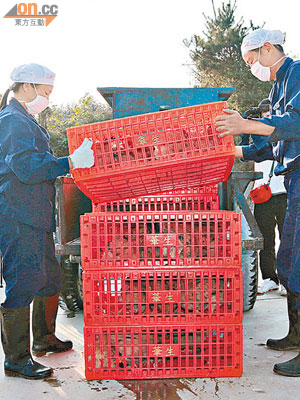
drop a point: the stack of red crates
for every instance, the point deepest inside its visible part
(162, 285)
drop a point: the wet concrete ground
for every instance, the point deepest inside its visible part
(267, 319)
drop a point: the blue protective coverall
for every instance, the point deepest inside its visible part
(27, 203)
(283, 145)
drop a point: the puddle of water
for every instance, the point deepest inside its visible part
(157, 389)
(53, 382)
(97, 386)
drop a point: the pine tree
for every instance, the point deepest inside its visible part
(56, 119)
(218, 62)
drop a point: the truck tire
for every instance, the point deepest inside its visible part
(250, 273)
(71, 294)
(249, 259)
(250, 270)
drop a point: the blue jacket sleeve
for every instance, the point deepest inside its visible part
(287, 125)
(20, 152)
(251, 153)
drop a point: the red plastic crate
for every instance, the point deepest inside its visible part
(130, 240)
(153, 153)
(147, 352)
(175, 296)
(197, 199)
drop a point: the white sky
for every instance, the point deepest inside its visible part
(133, 43)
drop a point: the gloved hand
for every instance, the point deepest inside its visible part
(83, 157)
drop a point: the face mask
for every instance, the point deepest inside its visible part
(260, 71)
(37, 105)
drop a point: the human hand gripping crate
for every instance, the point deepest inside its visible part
(154, 153)
(149, 240)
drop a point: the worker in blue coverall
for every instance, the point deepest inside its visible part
(277, 138)
(27, 200)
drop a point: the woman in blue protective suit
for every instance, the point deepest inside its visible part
(27, 200)
(277, 138)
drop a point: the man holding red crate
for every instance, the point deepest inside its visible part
(277, 138)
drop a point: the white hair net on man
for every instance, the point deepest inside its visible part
(259, 37)
(33, 73)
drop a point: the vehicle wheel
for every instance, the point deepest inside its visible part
(250, 273)
(71, 294)
(249, 263)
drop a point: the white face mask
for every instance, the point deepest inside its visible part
(37, 105)
(260, 71)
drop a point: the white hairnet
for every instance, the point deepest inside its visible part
(259, 37)
(33, 73)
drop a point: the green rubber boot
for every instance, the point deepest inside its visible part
(288, 368)
(292, 340)
(15, 336)
(43, 327)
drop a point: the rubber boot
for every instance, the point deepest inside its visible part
(291, 367)
(43, 327)
(288, 368)
(292, 340)
(15, 336)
